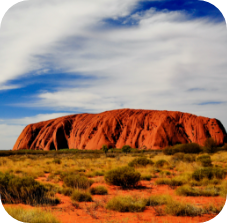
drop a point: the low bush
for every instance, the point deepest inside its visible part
(161, 163)
(100, 190)
(141, 161)
(146, 177)
(205, 160)
(212, 209)
(77, 181)
(164, 173)
(31, 216)
(67, 191)
(99, 173)
(111, 155)
(189, 158)
(123, 176)
(81, 196)
(126, 204)
(190, 191)
(209, 173)
(176, 208)
(223, 188)
(57, 161)
(24, 190)
(126, 149)
(156, 200)
(183, 148)
(210, 146)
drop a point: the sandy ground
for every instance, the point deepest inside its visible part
(96, 212)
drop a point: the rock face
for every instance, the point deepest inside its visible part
(138, 128)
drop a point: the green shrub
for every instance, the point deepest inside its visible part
(126, 204)
(164, 173)
(205, 160)
(183, 148)
(156, 200)
(99, 173)
(145, 177)
(209, 173)
(161, 163)
(111, 155)
(100, 190)
(123, 176)
(189, 158)
(178, 156)
(126, 149)
(210, 145)
(77, 181)
(176, 208)
(141, 161)
(190, 191)
(67, 191)
(81, 196)
(23, 190)
(57, 161)
(223, 189)
(105, 149)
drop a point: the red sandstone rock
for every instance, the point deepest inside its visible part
(138, 128)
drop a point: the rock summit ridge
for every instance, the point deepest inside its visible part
(150, 129)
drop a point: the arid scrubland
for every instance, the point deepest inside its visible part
(98, 185)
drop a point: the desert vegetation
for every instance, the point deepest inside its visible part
(184, 180)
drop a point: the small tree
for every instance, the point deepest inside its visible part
(126, 149)
(105, 149)
(210, 145)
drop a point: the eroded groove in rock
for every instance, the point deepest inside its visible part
(135, 127)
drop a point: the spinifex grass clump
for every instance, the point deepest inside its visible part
(126, 204)
(77, 181)
(23, 190)
(31, 216)
(146, 177)
(223, 189)
(57, 161)
(189, 158)
(209, 173)
(191, 191)
(123, 176)
(141, 161)
(176, 208)
(67, 191)
(205, 160)
(156, 200)
(161, 163)
(80, 196)
(100, 190)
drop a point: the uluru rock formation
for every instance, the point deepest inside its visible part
(138, 128)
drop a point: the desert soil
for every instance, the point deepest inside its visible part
(95, 211)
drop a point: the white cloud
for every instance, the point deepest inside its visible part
(31, 28)
(151, 66)
(9, 135)
(32, 119)
(10, 129)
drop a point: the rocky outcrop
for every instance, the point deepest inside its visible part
(138, 128)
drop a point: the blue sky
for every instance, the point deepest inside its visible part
(85, 56)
